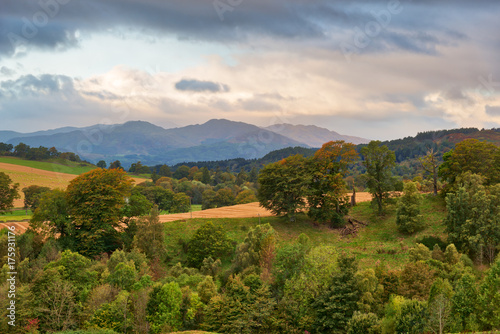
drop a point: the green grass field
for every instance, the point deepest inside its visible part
(378, 242)
(54, 165)
(15, 215)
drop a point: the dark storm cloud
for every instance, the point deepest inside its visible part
(201, 86)
(55, 24)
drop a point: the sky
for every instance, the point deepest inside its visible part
(375, 69)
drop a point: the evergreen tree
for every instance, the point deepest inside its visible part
(408, 218)
(205, 176)
(337, 304)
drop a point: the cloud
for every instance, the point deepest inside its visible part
(5, 71)
(37, 85)
(414, 27)
(493, 110)
(201, 86)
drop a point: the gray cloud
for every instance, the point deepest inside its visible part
(419, 27)
(493, 110)
(7, 71)
(201, 86)
(33, 86)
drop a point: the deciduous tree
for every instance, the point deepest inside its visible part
(282, 186)
(378, 161)
(326, 195)
(95, 201)
(8, 192)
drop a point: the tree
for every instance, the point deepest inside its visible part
(465, 302)
(52, 217)
(101, 164)
(489, 298)
(8, 192)
(408, 218)
(471, 155)
(326, 196)
(165, 171)
(180, 203)
(149, 237)
(181, 172)
(416, 280)
(32, 195)
(115, 165)
(363, 323)
(138, 168)
(224, 197)
(473, 217)
(253, 249)
(246, 196)
(439, 305)
(430, 165)
(282, 186)
(164, 308)
(208, 240)
(378, 161)
(205, 177)
(96, 200)
(336, 305)
(208, 199)
(412, 317)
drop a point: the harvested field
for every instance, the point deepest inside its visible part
(235, 211)
(27, 176)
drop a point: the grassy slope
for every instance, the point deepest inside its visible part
(371, 245)
(55, 165)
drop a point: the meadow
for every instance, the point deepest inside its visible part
(379, 242)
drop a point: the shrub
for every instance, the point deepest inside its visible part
(408, 216)
(208, 241)
(363, 323)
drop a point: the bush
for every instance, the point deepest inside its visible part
(363, 323)
(208, 241)
(431, 240)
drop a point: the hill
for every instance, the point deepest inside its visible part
(441, 141)
(217, 139)
(313, 136)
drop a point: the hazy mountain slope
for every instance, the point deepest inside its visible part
(312, 135)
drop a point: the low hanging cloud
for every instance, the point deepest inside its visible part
(201, 86)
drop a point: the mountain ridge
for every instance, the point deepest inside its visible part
(133, 141)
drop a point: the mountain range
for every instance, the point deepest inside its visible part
(217, 139)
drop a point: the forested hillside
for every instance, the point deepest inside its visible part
(97, 259)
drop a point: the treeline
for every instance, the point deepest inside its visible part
(36, 153)
(237, 164)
